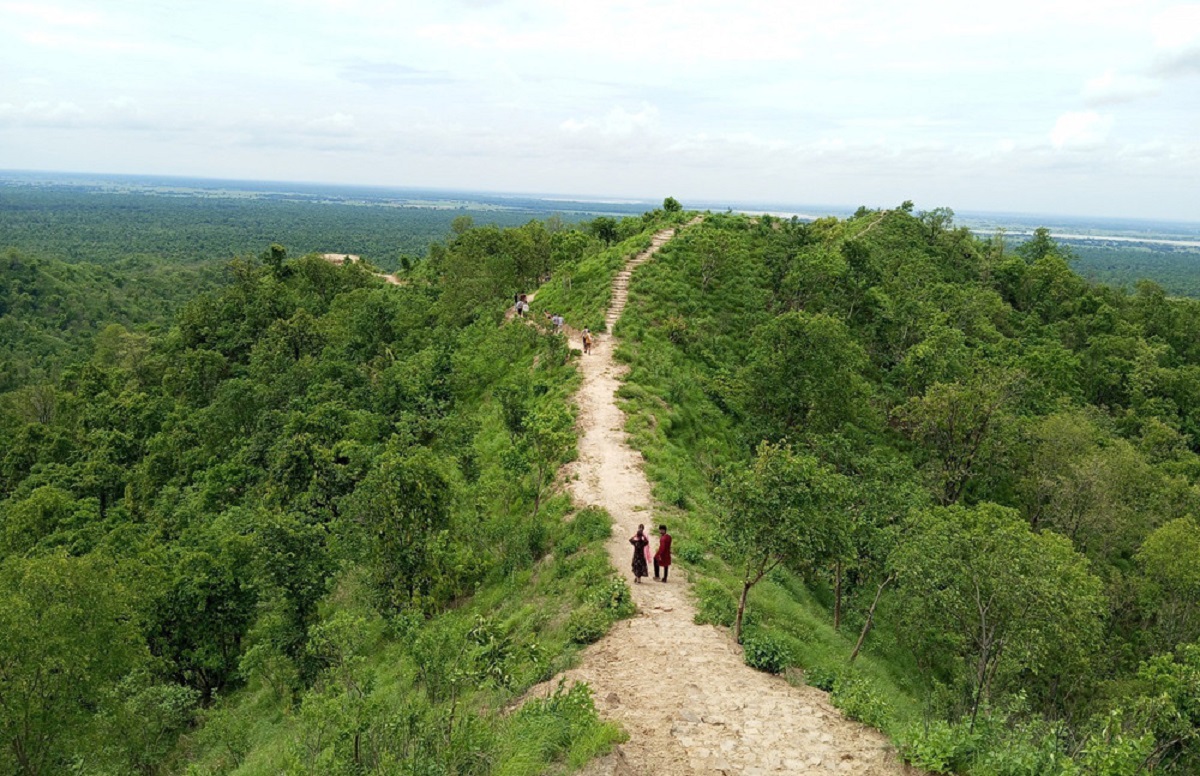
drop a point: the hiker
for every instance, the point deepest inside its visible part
(641, 545)
(558, 321)
(663, 556)
(587, 341)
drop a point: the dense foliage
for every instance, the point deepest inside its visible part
(973, 468)
(1173, 268)
(307, 528)
(50, 310)
(81, 224)
(282, 517)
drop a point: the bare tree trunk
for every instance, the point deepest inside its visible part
(837, 595)
(981, 678)
(737, 628)
(866, 628)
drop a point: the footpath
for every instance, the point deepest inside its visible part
(681, 690)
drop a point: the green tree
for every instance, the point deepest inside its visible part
(46, 510)
(403, 509)
(803, 376)
(783, 509)
(976, 584)
(605, 228)
(462, 224)
(296, 564)
(952, 422)
(671, 205)
(67, 632)
(550, 435)
(207, 604)
(1041, 245)
(1170, 564)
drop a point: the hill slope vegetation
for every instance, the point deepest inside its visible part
(947, 476)
(310, 526)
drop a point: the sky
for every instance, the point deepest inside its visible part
(1078, 107)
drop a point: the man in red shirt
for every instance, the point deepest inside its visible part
(662, 558)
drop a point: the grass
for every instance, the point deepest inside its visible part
(390, 691)
(582, 293)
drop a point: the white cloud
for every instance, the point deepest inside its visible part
(1080, 129)
(1176, 34)
(334, 124)
(617, 122)
(1178, 63)
(41, 114)
(1113, 88)
(49, 14)
(1177, 27)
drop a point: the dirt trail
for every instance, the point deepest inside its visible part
(341, 258)
(681, 690)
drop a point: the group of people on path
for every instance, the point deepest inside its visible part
(521, 306)
(641, 553)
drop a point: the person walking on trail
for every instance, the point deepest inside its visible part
(662, 558)
(641, 545)
(557, 320)
(587, 341)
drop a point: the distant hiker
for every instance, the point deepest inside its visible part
(641, 545)
(522, 307)
(587, 341)
(663, 556)
(558, 321)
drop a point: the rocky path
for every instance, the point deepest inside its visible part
(681, 690)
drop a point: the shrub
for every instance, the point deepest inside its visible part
(766, 652)
(592, 524)
(937, 746)
(714, 604)
(930, 747)
(588, 624)
(569, 545)
(690, 553)
(823, 677)
(613, 598)
(859, 699)
(562, 727)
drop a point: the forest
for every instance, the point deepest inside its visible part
(1176, 269)
(307, 525)
(955, 485)
(77, 223)
(296, 520)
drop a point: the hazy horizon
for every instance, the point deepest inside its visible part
(632, 201)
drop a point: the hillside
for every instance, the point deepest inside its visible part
(969, 461)
(51, 311)
(308, 528)
(319, 523)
